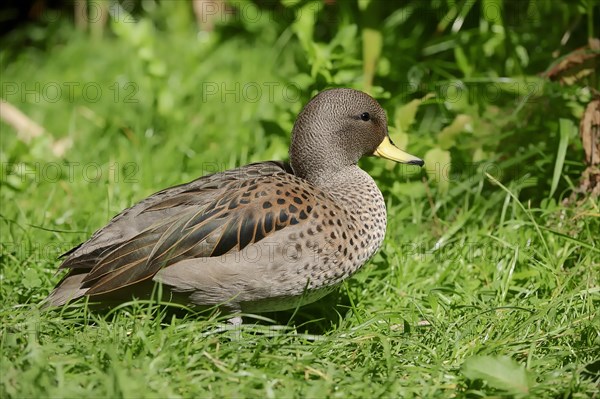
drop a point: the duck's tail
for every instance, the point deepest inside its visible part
(67, 290)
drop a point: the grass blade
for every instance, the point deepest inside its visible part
(499, 372)
(566, 126)
(531, 218)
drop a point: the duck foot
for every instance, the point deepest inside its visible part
(235, 321)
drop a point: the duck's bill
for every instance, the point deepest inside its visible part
(388, 150)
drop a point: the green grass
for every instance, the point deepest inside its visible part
(487, 283)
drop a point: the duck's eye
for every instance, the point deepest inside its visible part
(365, 116)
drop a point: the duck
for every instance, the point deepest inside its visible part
(264, 237)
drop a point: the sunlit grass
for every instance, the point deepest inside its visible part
(471, 271)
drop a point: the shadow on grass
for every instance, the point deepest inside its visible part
(317, 318)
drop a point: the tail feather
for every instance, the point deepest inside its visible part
(67, 290)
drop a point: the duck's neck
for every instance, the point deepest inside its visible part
(354, 188)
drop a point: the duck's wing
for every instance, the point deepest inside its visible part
(158, 207)
(201, 220)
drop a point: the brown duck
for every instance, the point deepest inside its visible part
(263, 237)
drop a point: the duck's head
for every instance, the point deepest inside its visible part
(337, 128)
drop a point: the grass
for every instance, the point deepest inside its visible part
(486, 285)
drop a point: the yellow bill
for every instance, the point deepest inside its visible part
(388, 150)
